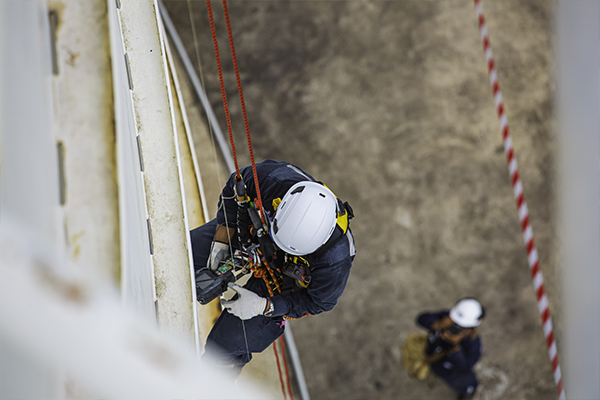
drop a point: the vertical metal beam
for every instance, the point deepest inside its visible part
(298, 371)
(162, 171)
(137, 282)
(29, 191)
(186, 141)
(85, 130)
(195, 200)
(189, 67)
(578, 61)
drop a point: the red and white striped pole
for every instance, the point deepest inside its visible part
(532, 254)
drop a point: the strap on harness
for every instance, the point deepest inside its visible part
(294, 267)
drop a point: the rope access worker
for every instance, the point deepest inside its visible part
(454, 345)
(312, 249)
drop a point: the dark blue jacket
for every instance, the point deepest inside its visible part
(329, 272)
(459, 361)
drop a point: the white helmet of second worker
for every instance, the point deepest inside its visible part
(467, 312)
(305, 219)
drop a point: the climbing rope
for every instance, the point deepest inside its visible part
(200, 70)
(243, 104)
(261, 269)
(241, 94)
(222, 84)
(279, 370)
(532, 254)
(287, 374)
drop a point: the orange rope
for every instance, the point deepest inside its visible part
(279, 369)
(259, 272)
(263, 271)
(287, 373)
(243, 104)
(274, 279)
(222, 83)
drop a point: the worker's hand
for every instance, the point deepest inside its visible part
(454, 339)
(247, 305)
(441, 324)
(218, 252)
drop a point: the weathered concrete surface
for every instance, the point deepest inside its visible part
(389, 104)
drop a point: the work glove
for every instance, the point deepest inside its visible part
(218, 252)
(247, 305)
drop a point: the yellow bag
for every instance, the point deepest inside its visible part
(414, 359)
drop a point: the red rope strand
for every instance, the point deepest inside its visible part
(527, 231)
(222, 83)
(279, 369)
(287, 373)
(257, 271)
(243, 104)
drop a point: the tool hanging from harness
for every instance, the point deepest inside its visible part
(250, 225)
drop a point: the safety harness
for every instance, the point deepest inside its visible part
(278, 266)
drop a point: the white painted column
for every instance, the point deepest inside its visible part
(79, 326)
(137, 281)
(195, 198)
(29, 184)
(162, 173)
(84, 126)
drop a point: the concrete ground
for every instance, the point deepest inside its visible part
(389, 104)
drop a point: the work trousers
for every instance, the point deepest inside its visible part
(232, 341)
(463, 382)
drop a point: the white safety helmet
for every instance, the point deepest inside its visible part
(467, 313)
(305, 218)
